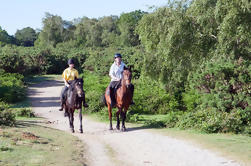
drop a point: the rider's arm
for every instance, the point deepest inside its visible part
(66, 83)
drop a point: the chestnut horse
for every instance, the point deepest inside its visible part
(123, 97)
(74, 99)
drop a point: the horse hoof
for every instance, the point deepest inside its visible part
(81, 131)
(111, 128)
(123, 129)
(118, 128)
(72, 131)
(65, 114)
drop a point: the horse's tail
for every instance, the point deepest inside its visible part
(103, 100)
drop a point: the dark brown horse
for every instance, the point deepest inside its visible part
(74, 99)
(123, 97)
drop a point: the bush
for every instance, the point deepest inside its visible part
(11, 87)
(7, 117)
(149, 91)
(223, 84)
(172, 118)
(94, 87)
(25, 112)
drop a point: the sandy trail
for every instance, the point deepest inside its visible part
(136, 147)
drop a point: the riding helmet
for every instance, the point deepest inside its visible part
(117, 55)
(70, 61)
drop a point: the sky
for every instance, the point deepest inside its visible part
(18, 14)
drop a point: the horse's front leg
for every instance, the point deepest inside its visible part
(123, 113)
(118, 121)
(110, 115)
(65, 111)
(71, 121)
(80, 119)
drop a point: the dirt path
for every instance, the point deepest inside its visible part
(111, 148)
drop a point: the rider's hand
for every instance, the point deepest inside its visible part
(67, 85)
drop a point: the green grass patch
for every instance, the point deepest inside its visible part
(31, 144)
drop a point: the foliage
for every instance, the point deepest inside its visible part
(127, 23)
(5, 38)
(94, 87)
(24, 112)
(223, 83)
(26, 36)
(7, 118)
(11, 87)
(55, 30)
(148, 91)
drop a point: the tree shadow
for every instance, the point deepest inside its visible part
(48, 83)
(29, 123)
(45, 101)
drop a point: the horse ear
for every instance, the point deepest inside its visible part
(130, 68)
(126, 68)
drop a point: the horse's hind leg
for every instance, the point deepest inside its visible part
(80, 118)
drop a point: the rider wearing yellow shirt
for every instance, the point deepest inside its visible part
(68, 75)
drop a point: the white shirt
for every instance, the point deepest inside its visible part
(116, 71)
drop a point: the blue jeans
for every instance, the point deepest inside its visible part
(63, 93)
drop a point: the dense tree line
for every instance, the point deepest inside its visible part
(196, 53)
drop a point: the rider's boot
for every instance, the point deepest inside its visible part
(84, 102)
(61, 106)
(85, 105)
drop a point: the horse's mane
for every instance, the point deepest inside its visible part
(74, 82)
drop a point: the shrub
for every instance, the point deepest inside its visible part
(151, 98)
(11, 87)
(25, 112)
(7, 117)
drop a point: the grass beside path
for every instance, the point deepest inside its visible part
(30, 144)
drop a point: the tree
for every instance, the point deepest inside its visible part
(26, 36)
(5, 38)
(168, 36)
(88, 32)
(55, 30)
(109, 30)
(126, 24)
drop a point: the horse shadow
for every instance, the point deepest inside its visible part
(131, 129)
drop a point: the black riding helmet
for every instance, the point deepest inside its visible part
(117, 55)
(70, 61)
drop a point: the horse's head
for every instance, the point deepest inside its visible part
(127, 76)
(78, 86)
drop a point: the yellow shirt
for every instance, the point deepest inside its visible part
(70, 74)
